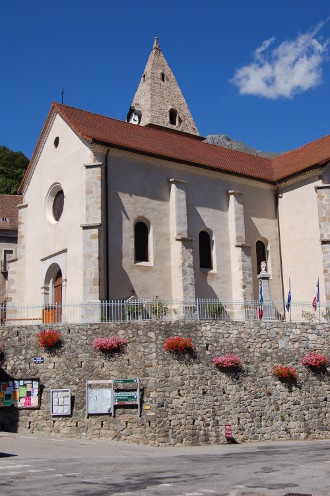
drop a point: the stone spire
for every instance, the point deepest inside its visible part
(158, 100)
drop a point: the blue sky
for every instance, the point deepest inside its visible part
(256, 70)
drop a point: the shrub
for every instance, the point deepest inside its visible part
(177, 344)
(326, 314)
(49, 338)
(132, 311)
(158, 309)
(227, 362)
(112, 344)
(214, 311)
(287, 374)
(315, 360)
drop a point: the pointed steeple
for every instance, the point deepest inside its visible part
(158, 100)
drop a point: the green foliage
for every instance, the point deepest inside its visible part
(158, 309)
(12, 169)
(132, 311)
(214, 310)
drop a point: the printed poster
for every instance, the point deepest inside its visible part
(21, 393)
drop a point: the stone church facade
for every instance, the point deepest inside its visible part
(146, 207)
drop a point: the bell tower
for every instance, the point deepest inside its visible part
(158, 100)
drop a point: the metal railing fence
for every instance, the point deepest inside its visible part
(161, 309)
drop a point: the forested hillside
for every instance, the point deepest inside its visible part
(12, 169)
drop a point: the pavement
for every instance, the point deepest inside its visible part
(45, 466)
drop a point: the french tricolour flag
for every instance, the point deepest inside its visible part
(316, 297)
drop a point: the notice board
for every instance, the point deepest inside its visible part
(98, 397)
(20, 393)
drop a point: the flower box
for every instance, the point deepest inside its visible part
(315, 361)
(49, 338)
(108, 345)
(285, 373)
(177, 344)
(227, 362)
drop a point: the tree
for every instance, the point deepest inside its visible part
(12, 169)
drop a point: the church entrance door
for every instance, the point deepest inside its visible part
(58, 296)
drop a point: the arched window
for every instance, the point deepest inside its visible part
(261, 255)
(173, 116)
(141, 235)
(205, 255)
(162, 76)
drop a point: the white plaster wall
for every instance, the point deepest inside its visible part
(139, 187)
(300, 235)
(41, 238)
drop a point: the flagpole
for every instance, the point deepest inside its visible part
(318, 284)
(290, 297)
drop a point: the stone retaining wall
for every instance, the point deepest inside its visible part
(185, 400)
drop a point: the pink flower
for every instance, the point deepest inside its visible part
(114, 343)
(227, 362)
(315, 360)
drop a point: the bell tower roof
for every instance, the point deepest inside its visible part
(158, 100)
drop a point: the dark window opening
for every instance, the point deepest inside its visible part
(144, 77)
(261, 255)
(56, 141)
(173, 116)
(205, 256)
(141, 234)
(163, 77)
(58, 205)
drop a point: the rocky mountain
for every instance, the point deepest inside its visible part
(228, 142)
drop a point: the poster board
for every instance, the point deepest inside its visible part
(60, 402)
(20, 393)
(98, 397)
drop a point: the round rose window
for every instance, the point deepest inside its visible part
(58, 205)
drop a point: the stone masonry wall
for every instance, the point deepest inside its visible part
(185, 400)
(323, 197)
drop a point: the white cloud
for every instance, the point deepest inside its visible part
(292, 67)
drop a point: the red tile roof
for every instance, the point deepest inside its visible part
(176, 147)
(315, 153)
(9, 211)
(163, 143)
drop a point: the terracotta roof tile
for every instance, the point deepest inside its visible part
(187, 149)
(9, 211)
(163, 143)
(315, 153)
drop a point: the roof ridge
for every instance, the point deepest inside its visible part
(59, 106)
(281, 155)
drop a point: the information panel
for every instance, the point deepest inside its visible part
(98, 397)
(21, 393)
(126, 397)
(60, 402)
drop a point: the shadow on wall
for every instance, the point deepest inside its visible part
(9, 415)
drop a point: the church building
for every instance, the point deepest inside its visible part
(147, 207)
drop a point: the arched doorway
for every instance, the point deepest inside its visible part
(53, 287)
(58, 296)
(261, 255)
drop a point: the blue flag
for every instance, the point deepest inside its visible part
(288, 303)
(261, 299)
